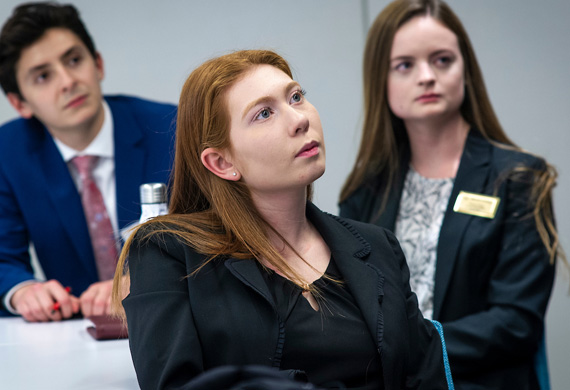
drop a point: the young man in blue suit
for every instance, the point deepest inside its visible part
(51, 74)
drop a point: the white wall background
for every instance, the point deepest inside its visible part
(150, 47)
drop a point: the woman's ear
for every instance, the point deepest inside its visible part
(217, 163)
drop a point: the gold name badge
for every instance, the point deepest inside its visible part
(476, 204)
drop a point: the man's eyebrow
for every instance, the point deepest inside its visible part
(70, 51)
(266, 99)
(40, 67)
(36, 69)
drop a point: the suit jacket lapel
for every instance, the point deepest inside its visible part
(349, 250)
(248, 272)
(472, 176)
(365, 283)
(129, 162)
(388, 217)
(64, 196)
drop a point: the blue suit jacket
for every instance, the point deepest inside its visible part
(39, 202)
(493, 278)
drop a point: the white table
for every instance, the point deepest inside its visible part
(61, 356)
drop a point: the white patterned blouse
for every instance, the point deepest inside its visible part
(418, 223)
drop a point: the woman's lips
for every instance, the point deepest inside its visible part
(428, 97)
(309, 150)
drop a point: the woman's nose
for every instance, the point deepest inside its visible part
(426, 74)
(300, 121)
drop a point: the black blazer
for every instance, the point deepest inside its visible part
(181, 326)
(493, 278)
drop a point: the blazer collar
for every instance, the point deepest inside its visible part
(472, 176)
(63, 194)
(387, 218)
(350, 252)
(129, 160)
(343, 240)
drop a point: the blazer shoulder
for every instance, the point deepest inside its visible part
(12, 125)
(162, 237)
(20, 136)
(507, 157)
(370, 233)
(17, 130)
(138, 102)
(144, 109)
(361, 203)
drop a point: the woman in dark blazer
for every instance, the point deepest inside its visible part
(471, 210)
(246, 271)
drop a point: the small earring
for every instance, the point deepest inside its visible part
(234, 174)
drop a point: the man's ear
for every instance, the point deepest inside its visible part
(100, 66)
(20, 105)
(217, 163)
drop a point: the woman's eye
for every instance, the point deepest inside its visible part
(443, 61)
(264, 114)
(297, 97)
(403, 66)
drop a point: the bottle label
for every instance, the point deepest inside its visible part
(151, 210)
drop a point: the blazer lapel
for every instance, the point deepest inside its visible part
(349, 251)
(366, 285)
(129, 162)
(388, 217)
(247, 271)
(472, 176)
(65, 199)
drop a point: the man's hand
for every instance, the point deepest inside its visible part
(35, 302)
(96, 300)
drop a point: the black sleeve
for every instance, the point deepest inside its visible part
(426, 367)
(164, 343)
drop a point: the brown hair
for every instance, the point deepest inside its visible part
(214, 216)
(384, 137)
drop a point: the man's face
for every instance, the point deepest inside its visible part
(59, 82)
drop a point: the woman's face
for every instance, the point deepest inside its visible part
(275, 133)
(426, 76)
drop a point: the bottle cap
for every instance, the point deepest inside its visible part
(153, 193)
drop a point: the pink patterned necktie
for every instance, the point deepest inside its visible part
(98, 222)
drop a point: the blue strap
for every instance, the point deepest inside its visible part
(541, 365)
(445, 359)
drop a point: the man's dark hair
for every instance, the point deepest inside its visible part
(28, 24)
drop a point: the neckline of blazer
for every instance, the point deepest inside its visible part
(472, 176)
